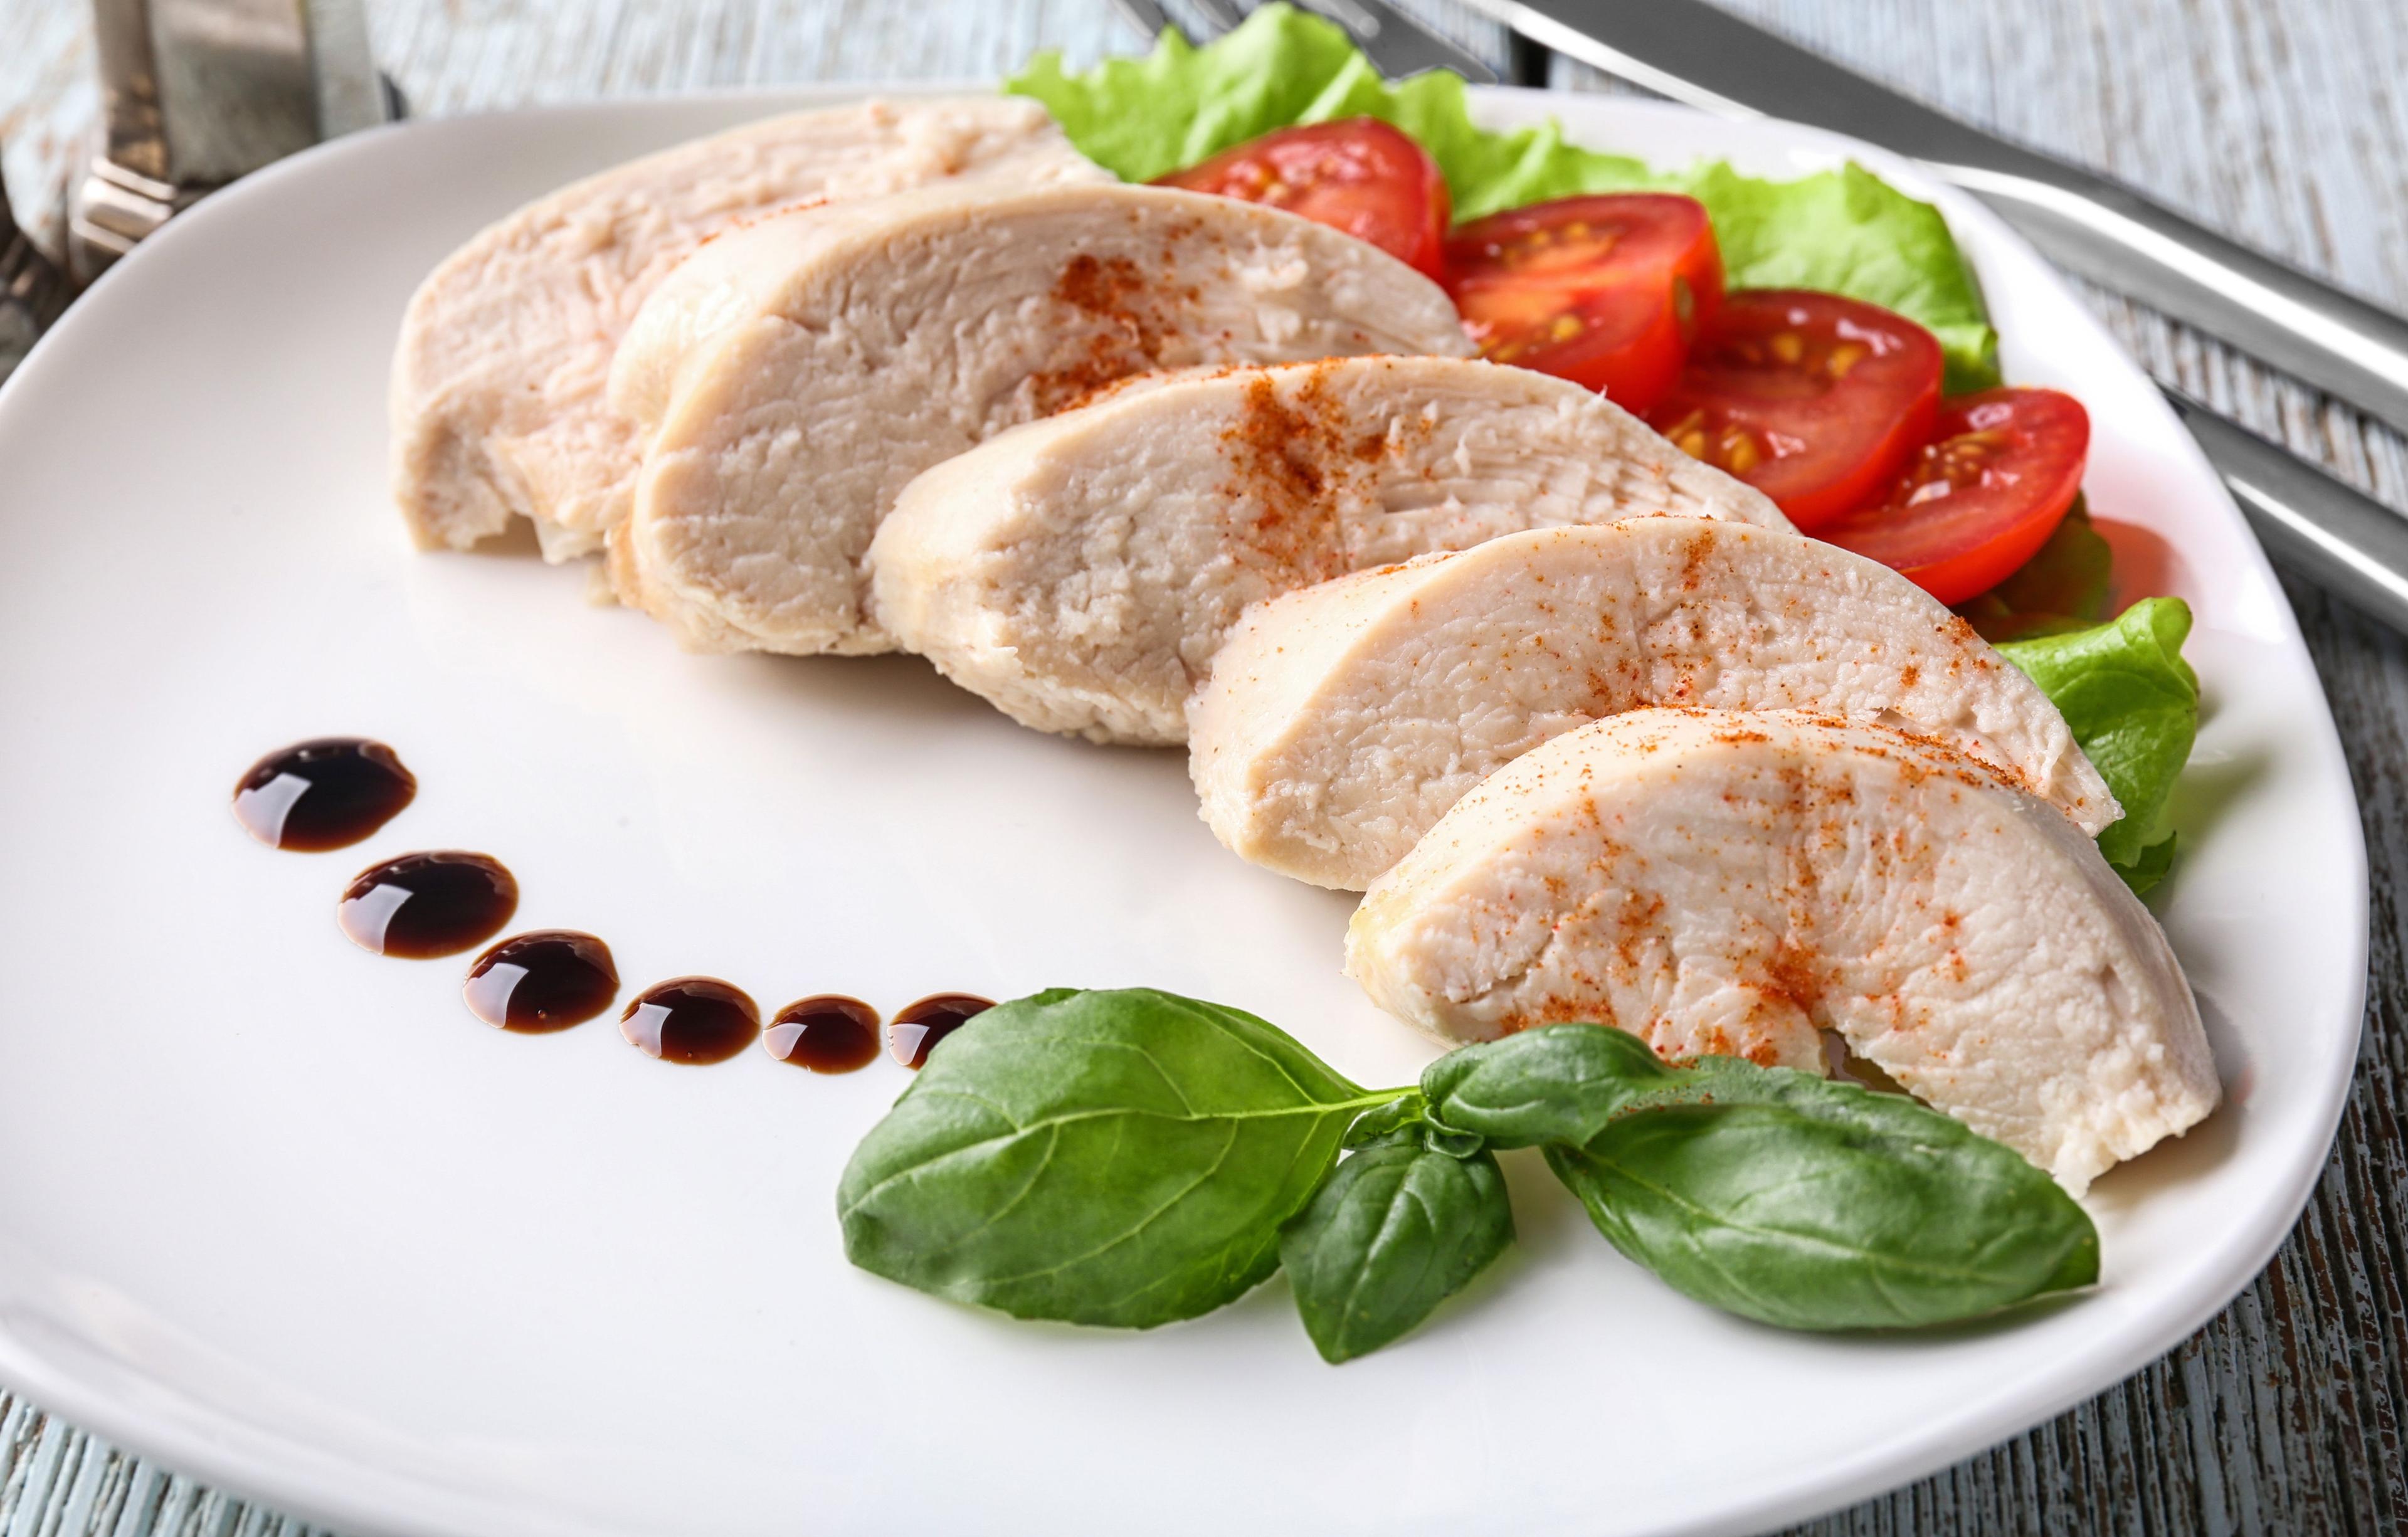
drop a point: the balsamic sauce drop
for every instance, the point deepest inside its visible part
(330, 791)
(422, 905)
(826, 1033)
(691, 1019)
(918, 1027)
(324, 794)
(545, 979)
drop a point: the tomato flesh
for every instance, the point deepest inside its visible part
(1816, 400)
(1626, 343)
(1606, 291)
(1998, 475)
(1359, 174)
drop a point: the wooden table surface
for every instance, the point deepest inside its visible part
(2285, 124)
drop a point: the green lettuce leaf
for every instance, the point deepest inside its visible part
(2062, 588)
(1845, 231)
(1144, 118)
(1849, 232)
(2133, 703)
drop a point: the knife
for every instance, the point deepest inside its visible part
(2310, 523)
(1694, 52)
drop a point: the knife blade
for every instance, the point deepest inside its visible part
(1694, 52)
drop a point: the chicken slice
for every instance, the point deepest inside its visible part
(1342, 721)
(1080, 572)
(498, 385)
(1729, 883)
(796, 374)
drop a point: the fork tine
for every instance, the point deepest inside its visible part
(1149, 18)
(1219, 15)
(1399, 45)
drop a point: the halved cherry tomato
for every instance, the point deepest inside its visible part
(1358, 174)
(1605, 291)
(1981, 498)
(1814, 399)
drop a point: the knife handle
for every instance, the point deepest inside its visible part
(2311, 523)
(2114, 235)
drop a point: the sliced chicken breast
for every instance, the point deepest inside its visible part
(1080, 572)
(1730, 884)
(1342, 721)
(795, 375)
(499, 404)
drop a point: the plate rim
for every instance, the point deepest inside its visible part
(329, 1491)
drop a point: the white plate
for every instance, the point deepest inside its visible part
(281, 1214)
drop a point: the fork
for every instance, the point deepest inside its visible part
(1397, 44)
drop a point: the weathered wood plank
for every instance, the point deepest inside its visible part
(2282, 124)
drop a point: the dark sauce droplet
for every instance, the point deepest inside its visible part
(829, 1033)
(422, 905)
(325, 793)
(918, 1027)
(691, 1019)
(542, 980)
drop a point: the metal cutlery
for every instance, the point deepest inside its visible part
(1697, 54)
(2310, 523)
(32, 291)
(1148, 18)
(1397, 44)
(196, 92)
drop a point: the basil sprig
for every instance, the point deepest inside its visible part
(1104, 1157)
(1402, 1226)
(1793, 1199)
(1134, 1158)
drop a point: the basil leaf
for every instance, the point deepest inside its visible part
(1121, 1158)
(1445, 1139)
(1556, 1083)
(1410, 1113)
(1772, 1193)
(1819, 1205)
(1400, 1227)
(1404, 1111)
